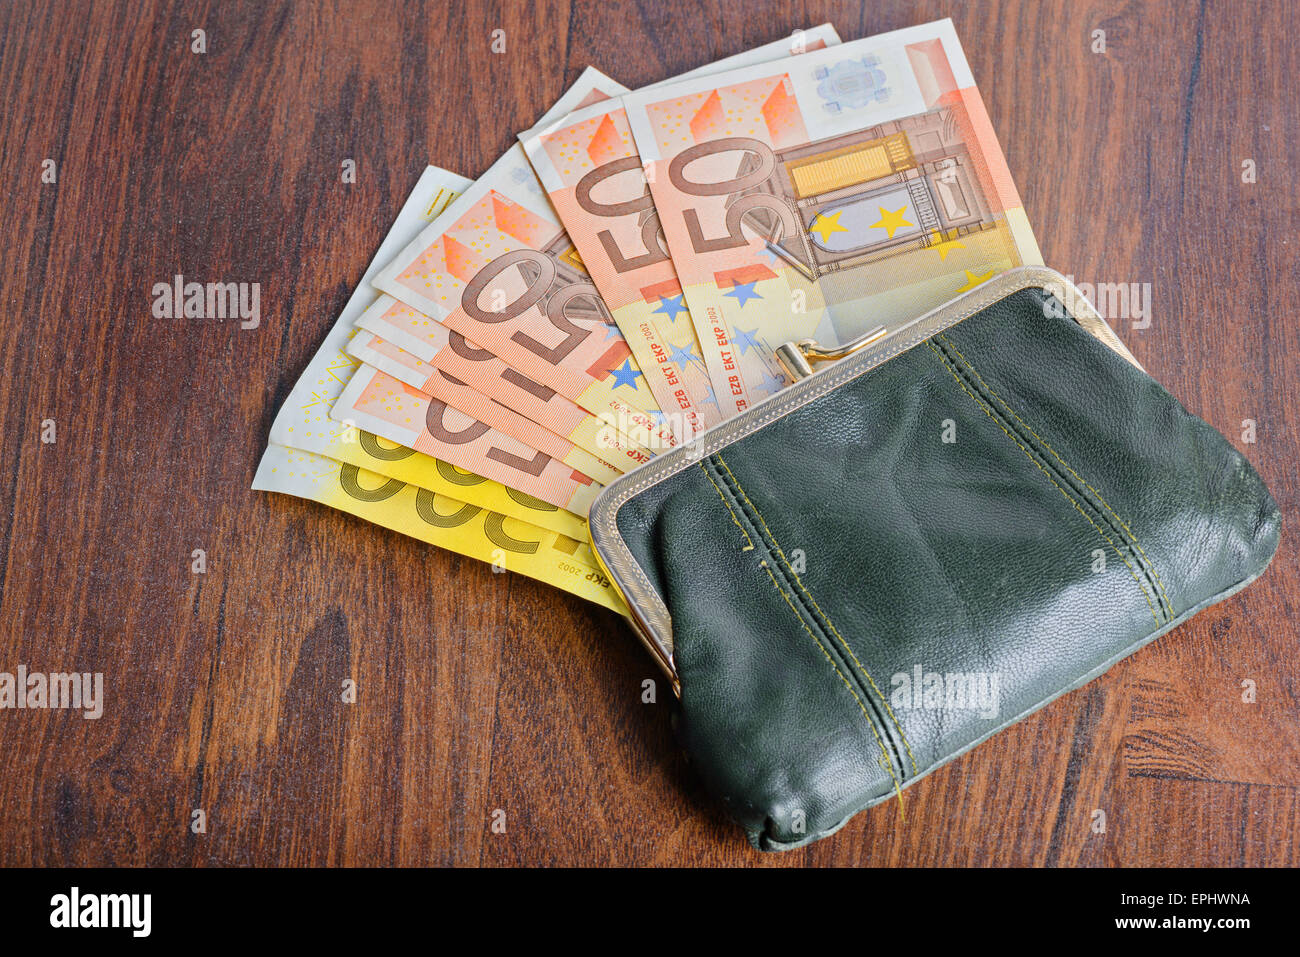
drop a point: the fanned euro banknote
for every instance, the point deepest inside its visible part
(441, 387)
(389, 323)
(498, 269)
(518, 342)
(824, 195)
(588, 165)
(312, 456)
(378, 403)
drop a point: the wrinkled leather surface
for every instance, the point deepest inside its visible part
(812, 561)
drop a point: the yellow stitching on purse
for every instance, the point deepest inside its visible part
(825, 618)
(885, 763)
(989, 412)
(1058, 458)
(749, 543)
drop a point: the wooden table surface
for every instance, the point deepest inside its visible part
(478, 691)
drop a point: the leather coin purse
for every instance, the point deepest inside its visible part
(879, 567)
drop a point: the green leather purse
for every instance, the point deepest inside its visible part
(891, 560)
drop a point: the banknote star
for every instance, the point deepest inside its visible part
(612, 331)
(744, 340)
(711, 398)
(944, 246)
(825, 226)
(973, 280)
(671, 306)
(683, 355)
(891, 221)
(625, 375)
(743, 292)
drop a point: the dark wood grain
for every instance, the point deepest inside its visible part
(480, 691)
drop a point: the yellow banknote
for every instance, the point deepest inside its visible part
(503, 542)
(435, 475)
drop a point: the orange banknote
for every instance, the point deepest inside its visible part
(439, 385)
(498, 268)
(303, 422)
(588, 165)
(384, 406)
(389, 322)
(826, 195)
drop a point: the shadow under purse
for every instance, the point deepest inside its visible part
(883, 565)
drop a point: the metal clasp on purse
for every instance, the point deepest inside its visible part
(798, 357)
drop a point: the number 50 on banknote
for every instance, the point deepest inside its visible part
(823, 195)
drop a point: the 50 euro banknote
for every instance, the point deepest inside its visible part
(303, 421)
(390, 325)
(825, 195)
(498, 269)
(378, 403)
(457, 394)
(588, 164)
(503, 542)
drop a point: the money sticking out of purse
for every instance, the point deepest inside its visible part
(874, 570)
